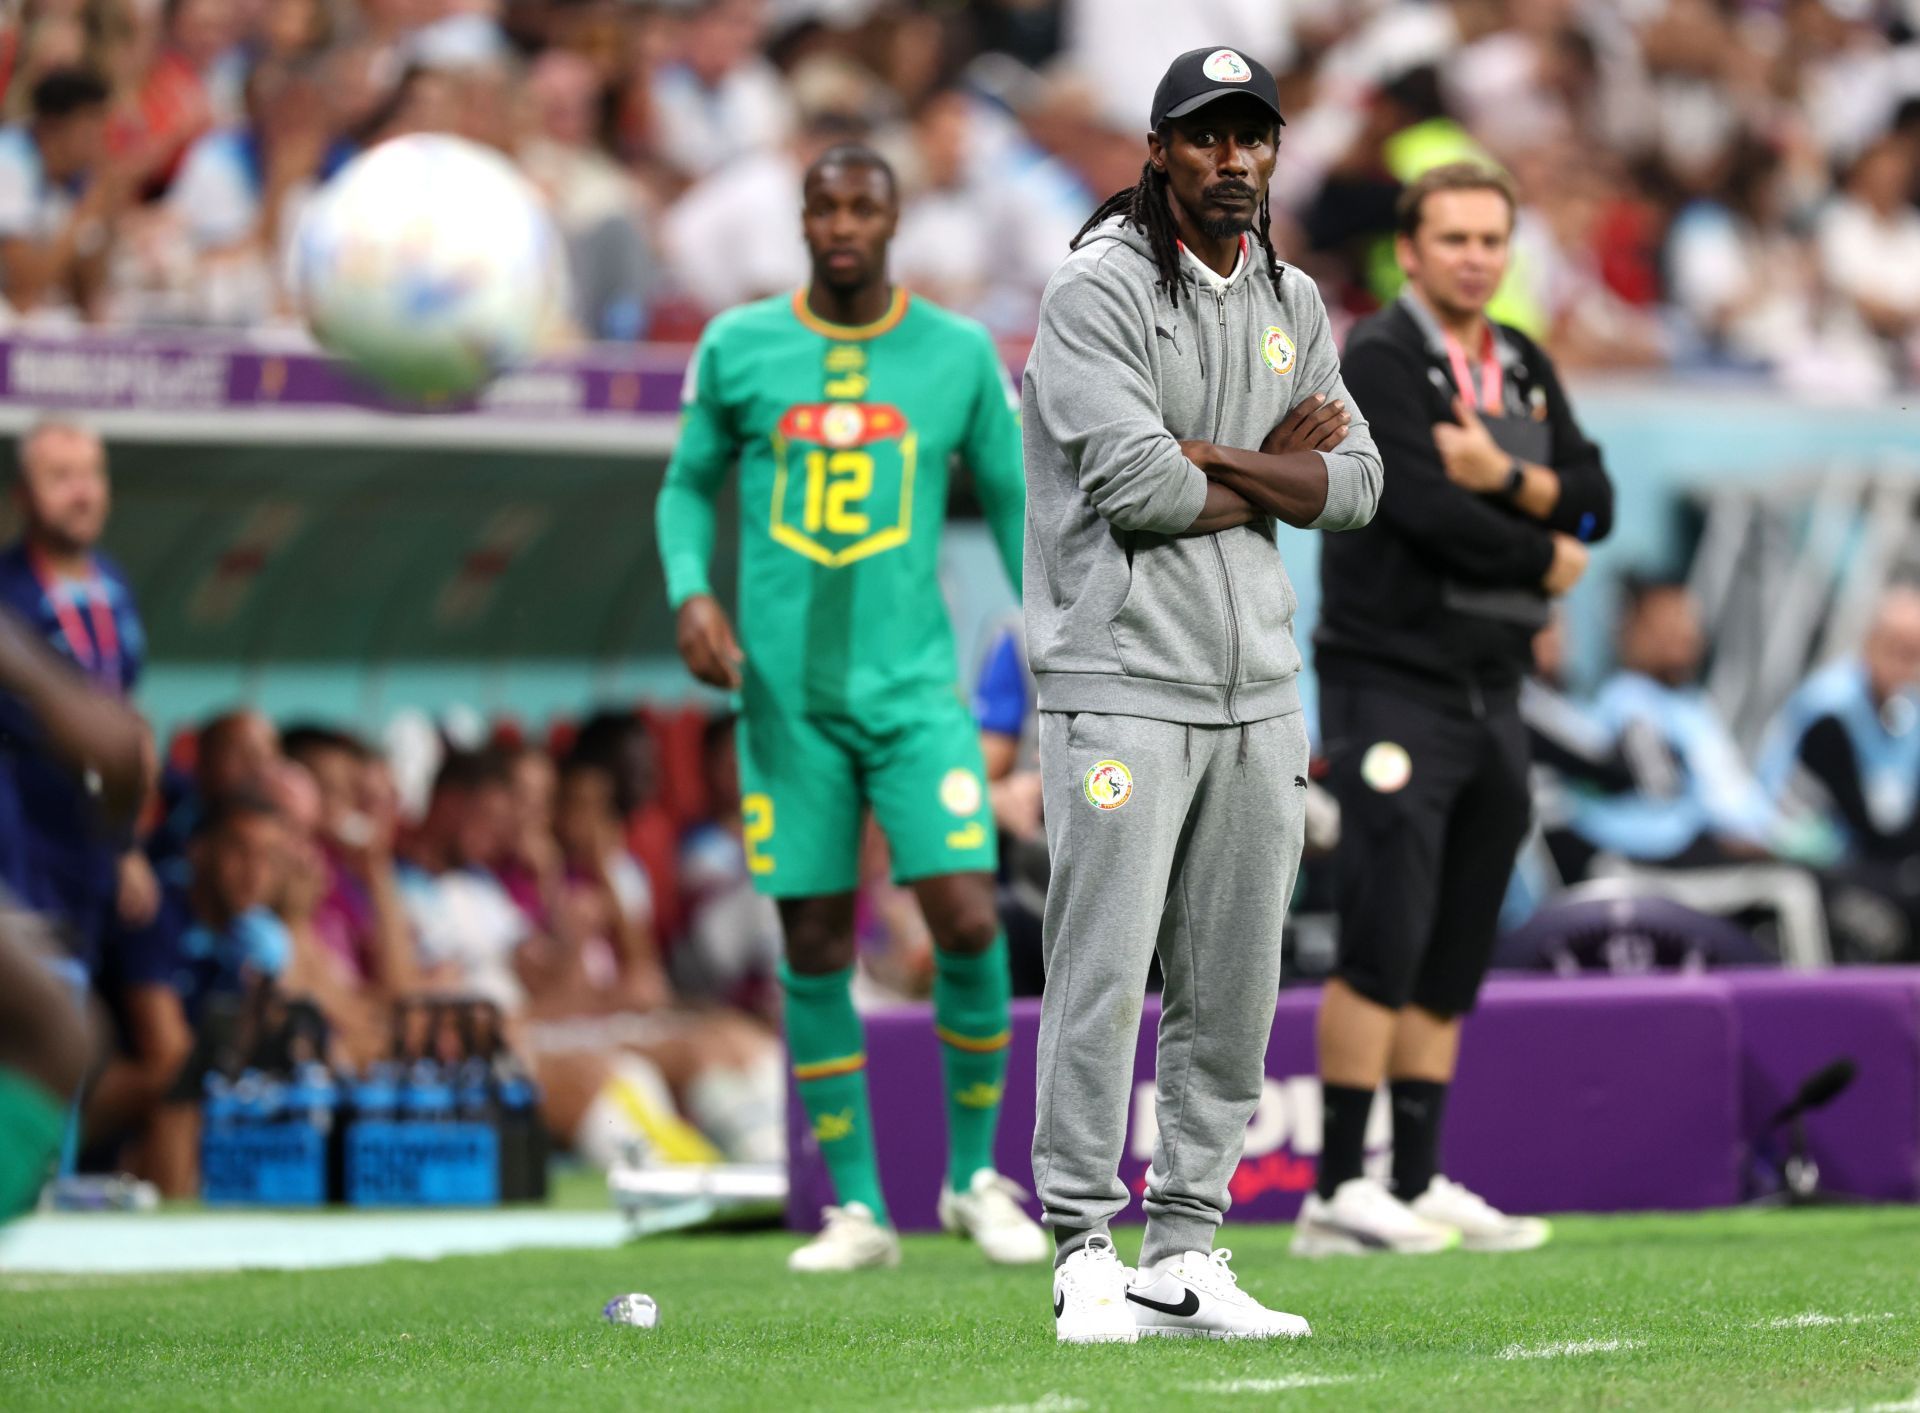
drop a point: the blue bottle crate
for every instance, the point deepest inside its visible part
(399, 1163)
(270, 1165)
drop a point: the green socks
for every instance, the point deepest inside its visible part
(32, 1123)
(970, 1003)
(828, 1051)
(827, 1048)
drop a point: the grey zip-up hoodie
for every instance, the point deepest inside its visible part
(1122, 617)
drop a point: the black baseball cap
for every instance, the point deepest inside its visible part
(1199, 76)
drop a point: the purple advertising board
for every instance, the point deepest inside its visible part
(176, 372)
(1794, 1024)
(1593, 1094)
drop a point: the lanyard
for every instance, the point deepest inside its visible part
(106, 633)
(1489, 396)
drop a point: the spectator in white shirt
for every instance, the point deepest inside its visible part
(240, 191)
(595, 202)
(947, 244)
(722, 100)
(59, 198)
(1743, 281)
(1869, 240)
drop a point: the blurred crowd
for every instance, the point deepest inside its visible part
(614, 933)
(592, 886)
(1706, 183)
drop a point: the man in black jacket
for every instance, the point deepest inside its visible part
(1491, 495)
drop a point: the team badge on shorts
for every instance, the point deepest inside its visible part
(1276, 349)
(1386, 767)
(1108, 785)
(960, 791)
(1225, 66)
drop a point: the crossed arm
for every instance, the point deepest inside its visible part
(1286, 478)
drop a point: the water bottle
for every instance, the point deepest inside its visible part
(428, 1096)
(473, 1088)
(523, 1140)
(313, 1096)
(219, 1108)
(256, 1097)
(376, 1095)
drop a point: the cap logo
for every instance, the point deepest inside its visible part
(1225, 66)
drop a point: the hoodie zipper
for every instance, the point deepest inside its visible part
(1220, 555)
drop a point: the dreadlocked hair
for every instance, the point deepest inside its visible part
(1147, 208)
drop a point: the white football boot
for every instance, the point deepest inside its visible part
(989, 1214)
(1198, 1296)
(1361, 1219)
(851, 1240)
(1482, 1226)
(1090, 1297)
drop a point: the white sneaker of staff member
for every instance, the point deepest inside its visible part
(1090, 1297)
(1362, 1218)
(1196, 1295)
(1482, 1226)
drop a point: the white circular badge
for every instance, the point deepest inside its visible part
(1386, 767)
(1225, 66)
(960, 792)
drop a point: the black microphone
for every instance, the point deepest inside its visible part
(1823, 1086)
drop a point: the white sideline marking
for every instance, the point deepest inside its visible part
(1269, 1385)
(132, 1243)
(1813, 1319)
(28, 1285)
(1910, 1405)
(1571, 1347)
(1049, 1403)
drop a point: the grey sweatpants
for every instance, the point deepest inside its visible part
(1197, 861)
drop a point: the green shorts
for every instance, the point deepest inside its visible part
(804, 782)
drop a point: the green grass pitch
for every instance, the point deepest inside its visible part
(1743, 1310)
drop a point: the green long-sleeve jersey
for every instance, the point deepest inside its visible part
(844, 438)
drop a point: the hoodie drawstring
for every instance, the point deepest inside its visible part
(1189, 762)
(1243, 744)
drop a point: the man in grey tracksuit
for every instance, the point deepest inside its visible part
(1170, 413)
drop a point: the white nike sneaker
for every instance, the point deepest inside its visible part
(1197, 1295)
(1090, 1297)
(1363, 1218)
(989, 1214)
(1482, 1226)
(851, 1240)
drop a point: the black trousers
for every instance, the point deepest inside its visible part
(1434, 805)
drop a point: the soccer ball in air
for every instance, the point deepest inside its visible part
(430, 265)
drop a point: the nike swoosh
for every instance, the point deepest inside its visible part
(1365, 1238)
(1189, 1304)
(1059, 1304)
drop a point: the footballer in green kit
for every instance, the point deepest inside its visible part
(844, 405)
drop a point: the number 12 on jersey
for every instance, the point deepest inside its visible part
(843, 481)
(836, 482)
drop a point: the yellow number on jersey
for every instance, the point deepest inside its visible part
(835, 484)
(756, 813)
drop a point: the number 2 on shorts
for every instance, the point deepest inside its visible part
(756, 814)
